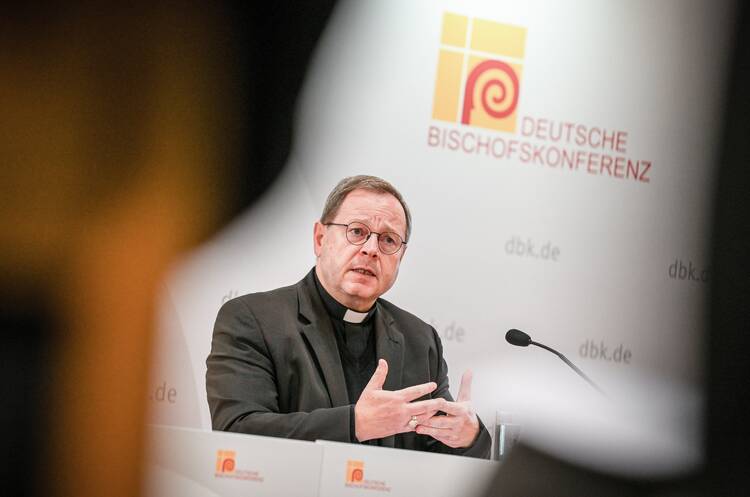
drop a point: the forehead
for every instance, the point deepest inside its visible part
(375, 207)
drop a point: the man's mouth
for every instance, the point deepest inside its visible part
(363, 271)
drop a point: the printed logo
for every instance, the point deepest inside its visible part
(355, 478)
(355, 471)
(477, 91)
(225, 461)
(226, 467)
(479, 73)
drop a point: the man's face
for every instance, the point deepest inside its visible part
(356, 275)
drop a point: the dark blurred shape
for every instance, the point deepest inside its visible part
(529, 472)
(23, 369)
(728, 387)
(277, 40)
(129, 134)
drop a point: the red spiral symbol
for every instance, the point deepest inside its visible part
(227, 465)
(357, 475)
(487, 106)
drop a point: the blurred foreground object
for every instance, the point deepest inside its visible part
(530, 471)
(127, 137)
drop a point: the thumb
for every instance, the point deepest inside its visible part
(464, 391)
(378, 377)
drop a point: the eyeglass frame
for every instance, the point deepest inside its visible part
(368, 236)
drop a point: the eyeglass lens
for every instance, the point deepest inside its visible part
(358, 234)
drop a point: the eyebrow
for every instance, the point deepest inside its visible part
(388, 227)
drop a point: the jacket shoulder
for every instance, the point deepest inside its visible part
(407, 319)
(281, 299)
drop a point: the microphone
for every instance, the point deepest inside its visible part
(518, 337)
(521, 339)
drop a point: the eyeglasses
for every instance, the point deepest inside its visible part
(358, 234)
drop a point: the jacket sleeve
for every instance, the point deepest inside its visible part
(483, 443)
(241, 385)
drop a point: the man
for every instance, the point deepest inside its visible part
(327, 358)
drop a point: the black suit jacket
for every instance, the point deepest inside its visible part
(274, 368)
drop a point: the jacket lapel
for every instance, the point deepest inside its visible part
(318, 331)
(389, 346)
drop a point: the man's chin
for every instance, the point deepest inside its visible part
(360, 291)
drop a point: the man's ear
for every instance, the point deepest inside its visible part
(403, 251)
(319, 231)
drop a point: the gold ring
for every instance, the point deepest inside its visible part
(413, 422)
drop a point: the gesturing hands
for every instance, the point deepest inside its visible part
(460, 426)
(380, 413)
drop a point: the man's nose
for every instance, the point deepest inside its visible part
(370, 247)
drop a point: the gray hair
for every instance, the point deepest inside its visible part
(361, 182)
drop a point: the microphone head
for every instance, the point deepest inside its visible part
(517, 337)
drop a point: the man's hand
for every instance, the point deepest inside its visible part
(380, 413)
(460, 426)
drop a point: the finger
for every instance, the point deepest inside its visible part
(455, 408)
(441, 422)
(439, 434)
(378, 377)
(464, 391)
(423, 406)
(418, 419)
(424, 415)
(416, 391)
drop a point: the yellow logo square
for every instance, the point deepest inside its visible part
(355, 471)
(225, 461)
(479, 72)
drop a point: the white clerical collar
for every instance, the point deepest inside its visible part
(337, 310)
(355, 317)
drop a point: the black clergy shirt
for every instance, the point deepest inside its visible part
(356, 344)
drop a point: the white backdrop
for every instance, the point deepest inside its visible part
(620, 250)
